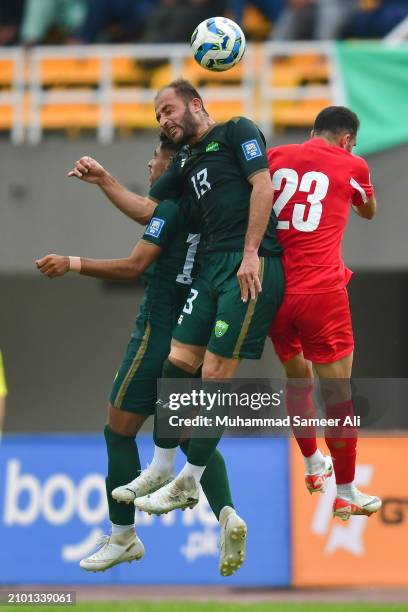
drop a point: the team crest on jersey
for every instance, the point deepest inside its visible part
(221, 328)
(212, 146)
(251, 149)
(155, 227)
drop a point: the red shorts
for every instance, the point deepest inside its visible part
(319, 325)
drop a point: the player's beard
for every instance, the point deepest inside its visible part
(188, 126)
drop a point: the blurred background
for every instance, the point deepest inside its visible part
(79, 77)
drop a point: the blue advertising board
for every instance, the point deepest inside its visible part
(53, 510)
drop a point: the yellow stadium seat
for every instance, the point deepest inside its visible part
(161, 77)
(6, 72)
(133, 116)
(200, 76)
(197, 75)
(223, 111)
(66, 116)
(298, 70)
(6, 118)
(297, 114)
(126, 70)
(70, 71)
(255, 25)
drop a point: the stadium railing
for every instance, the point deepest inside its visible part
(106, 87)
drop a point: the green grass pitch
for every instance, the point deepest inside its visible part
(185, 606)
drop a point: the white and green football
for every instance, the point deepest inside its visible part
(218, 44)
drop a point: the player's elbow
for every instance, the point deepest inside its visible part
(135, 270)
(369, 214)
(371, 208)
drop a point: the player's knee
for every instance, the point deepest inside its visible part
(124, 423)
(219, 368)
(186, 357)
(299, 367)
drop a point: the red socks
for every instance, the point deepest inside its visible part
(342, 442)
(299, 403)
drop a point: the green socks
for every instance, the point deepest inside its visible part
(123, 466)
(214, 481)
(201, 448)
(169, 371)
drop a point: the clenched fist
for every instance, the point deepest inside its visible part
(53, 265)
(89, 170)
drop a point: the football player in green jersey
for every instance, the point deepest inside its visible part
(166, 256)
(240, 286)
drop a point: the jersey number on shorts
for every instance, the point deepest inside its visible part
(188, 306)
(185, 277)
(201, 185)
(315, 184)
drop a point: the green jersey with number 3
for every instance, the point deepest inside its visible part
(168, 280)
(216, 171)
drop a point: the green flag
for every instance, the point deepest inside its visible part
(375, 79)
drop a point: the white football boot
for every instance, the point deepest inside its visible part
(356, 504)
(183, 492)
(114, 549)
(316, 483)
(233, 531)
(148, 481)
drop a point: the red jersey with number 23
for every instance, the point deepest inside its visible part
(315, 183)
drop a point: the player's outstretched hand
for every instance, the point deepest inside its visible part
(53, 265)
(89, 170)
(248, 276)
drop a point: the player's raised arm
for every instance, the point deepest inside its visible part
(136, 207)
(128, 268)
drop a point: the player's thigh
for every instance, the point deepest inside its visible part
(135, 386)
(284, 335)
(240, 329)
(197, 316)
(325, 327)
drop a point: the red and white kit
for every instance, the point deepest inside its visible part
(315, 183)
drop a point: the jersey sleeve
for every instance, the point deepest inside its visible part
(249, 145)
(164, 225)
(360, 182)
(170, 185)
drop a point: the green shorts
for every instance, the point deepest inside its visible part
(135, 386)
(215, 316)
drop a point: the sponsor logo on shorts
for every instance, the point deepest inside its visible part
(251, 149)
(155, 227)
(212, 146)
(221, 328)
(180, 319)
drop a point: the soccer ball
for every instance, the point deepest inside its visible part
(218, 44)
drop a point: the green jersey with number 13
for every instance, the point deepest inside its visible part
(215, 171)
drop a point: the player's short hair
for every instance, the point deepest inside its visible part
(185, 90)
(166, 144)
(337, 120)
